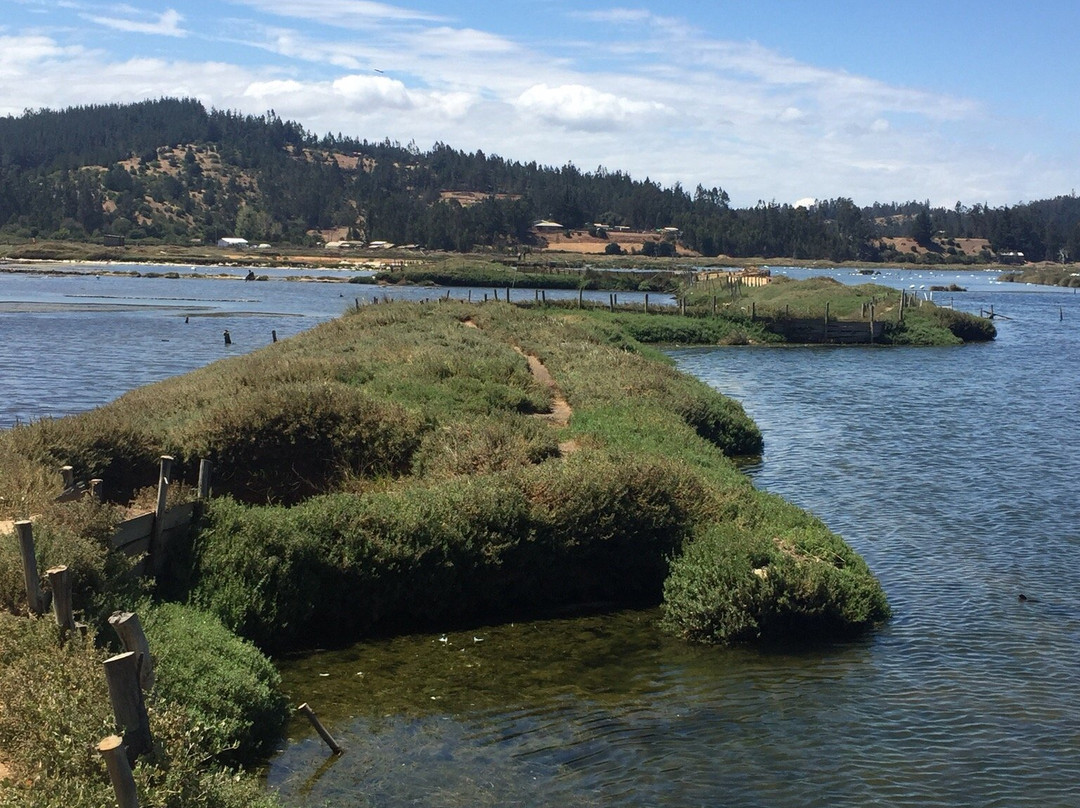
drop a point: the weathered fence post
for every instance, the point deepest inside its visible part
(116, 762)
(646, 302)
(580, 291)
(319, 728)
(273, 332)
(543, 298)
(35, 598)
(157, 549)
(97, 489)
(826, 314)
(68, 473)
(125, 695)
(611, 302)
(871, 323)
(206, 469)
(60, 583)
(753, 310)
(131, 634)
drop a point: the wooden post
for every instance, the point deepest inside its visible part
(543, 298)
(714, 305)
(228, 337)
(319, 728)
(496, 291)
(871, 323)
(116, 761)
(826, 314)
(68, 473)
(125, 695)
(611, 302)
(1061, 314)
(356, 302)
(753, 310)
(273, 333)
(579, 293)
(35, 598)
(157, 550)
(130, 631)
(470, 295)
(903, 301)
(206, 469)
(60, 583)
(97, 489)
(507, 294)
(682, 306)
(646, 302)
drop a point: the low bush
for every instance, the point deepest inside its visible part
(292, 441)
(339, 567)
(770, 572)
(75, 535)
(56, 710)
(226, 686)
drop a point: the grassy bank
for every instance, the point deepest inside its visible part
(402, 467)
(1067, 276)
(486, 273)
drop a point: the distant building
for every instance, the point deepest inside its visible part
(233, 243)
(344, 245)
(112, 240)
(545, 225)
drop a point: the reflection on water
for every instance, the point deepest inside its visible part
(951, 470)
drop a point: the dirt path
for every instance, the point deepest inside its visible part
(560, 413)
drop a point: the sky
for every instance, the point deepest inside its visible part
(771, 100)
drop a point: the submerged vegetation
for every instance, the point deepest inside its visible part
(405, 466)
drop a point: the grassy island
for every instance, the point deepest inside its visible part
(405, 467)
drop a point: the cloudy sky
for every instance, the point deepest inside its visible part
(775, 100)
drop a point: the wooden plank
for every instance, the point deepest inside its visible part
(133, 530)
(178, 516)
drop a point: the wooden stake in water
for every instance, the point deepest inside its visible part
(319, 728)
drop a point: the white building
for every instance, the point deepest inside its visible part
(233, 243)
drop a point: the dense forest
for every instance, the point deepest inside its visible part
(171, 171)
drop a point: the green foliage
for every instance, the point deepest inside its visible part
(771, 572)
(288, 441)
(587, 529)
(227, 687)
(75, 535)
(56, 710)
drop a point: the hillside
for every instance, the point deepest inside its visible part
(172, 172)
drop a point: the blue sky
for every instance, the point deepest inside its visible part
(774, 100)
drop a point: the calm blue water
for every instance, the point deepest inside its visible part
(953, 471)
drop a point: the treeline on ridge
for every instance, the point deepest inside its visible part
(171, 171)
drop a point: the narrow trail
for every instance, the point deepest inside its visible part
(560, 413)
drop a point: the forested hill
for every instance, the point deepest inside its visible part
(172, 171)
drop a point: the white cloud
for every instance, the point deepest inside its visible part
(166, 24)
(341, 13)
(576, 106)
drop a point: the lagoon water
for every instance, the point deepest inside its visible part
(953, 471)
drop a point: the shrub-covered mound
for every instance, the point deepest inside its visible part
(405, 466)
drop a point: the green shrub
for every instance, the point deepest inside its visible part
(56, 710)
(226, 685)
(75, 535)
(770, 572)
(291, 441)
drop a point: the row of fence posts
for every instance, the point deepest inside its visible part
(129, 675)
